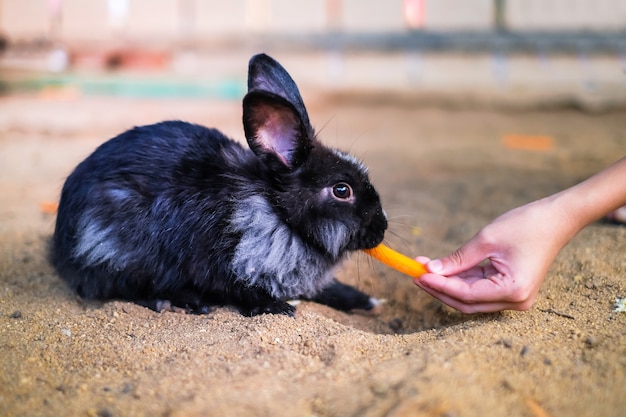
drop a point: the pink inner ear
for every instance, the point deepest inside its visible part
(278, 135)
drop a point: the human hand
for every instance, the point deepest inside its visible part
(503, 266)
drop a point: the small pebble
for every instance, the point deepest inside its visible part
(507, 384)
(507, 343)
(591, 342)
(591, 285)
(105, 413)
(547, 361)
(17, 314)
(524, 351)
(379, 388)
(127, 388)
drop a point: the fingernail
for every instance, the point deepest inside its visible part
(435, 266)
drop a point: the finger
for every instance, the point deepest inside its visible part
(471, 290)
(422, 259)
(478, 272)
(467, 256)
(468, 308)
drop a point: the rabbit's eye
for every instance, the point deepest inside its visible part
(342, 191)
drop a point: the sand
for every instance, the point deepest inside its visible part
(442, 174)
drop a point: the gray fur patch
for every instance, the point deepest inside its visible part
(333, 235)
(119, 194)
(95, 243)
(272, 257)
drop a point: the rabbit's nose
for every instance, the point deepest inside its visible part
(376, 218)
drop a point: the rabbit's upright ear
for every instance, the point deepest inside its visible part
(275, 120)
(266, 74)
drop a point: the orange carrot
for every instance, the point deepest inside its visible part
(48, 207)
(397, 261)
(528, 142)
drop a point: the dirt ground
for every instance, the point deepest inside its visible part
(442, 174)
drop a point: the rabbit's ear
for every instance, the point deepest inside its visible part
(275, 120)
(266, 74)
(274, 130)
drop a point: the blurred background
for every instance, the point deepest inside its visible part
(569, 52)
(450, 102)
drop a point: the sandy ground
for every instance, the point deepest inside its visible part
(442, 174)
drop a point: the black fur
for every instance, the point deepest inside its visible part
(178, 215)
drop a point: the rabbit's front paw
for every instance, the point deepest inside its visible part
(346, 298)
(272, 307)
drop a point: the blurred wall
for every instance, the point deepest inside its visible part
(172, 20)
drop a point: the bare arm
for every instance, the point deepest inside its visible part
(595, 197)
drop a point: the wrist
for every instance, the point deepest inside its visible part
(564, 216)
(593, 198)
(573, 209)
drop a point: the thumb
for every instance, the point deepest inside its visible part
(462, 259)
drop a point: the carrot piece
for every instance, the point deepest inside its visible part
(536, 409)
(397, 261)
(48, 207)
(528, 142)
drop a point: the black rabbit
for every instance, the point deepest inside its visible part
(176, 215)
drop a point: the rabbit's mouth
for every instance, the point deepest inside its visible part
(371, 241)
(373, 233)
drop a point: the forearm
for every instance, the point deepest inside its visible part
(593, 198)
